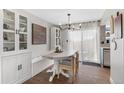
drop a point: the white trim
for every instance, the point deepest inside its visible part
(24, 79)
(37, 59)
(111, 81)
(41, 65)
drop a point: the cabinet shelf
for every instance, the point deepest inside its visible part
(107, 31)
(7, 19)
(10, 31)
(23, 33)
(23, 42)
(23, 23)
(8, 42)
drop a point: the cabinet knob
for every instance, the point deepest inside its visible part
(16, 31)
(115, 44)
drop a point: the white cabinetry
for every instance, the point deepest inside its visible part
(55, 37)
(24, 67)
(106, 57)
(15, 57)
(15, 31)
(9, 69)
(16, 68)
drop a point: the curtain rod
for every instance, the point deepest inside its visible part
(85, 22)
(91, 21)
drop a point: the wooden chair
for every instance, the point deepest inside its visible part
(71, 64)
(77, 62)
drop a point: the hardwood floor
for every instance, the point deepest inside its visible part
(87, 75)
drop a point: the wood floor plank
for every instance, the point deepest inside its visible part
(87, 75)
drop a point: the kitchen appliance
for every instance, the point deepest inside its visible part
(117, 52)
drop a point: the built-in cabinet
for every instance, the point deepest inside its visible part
(106, 57)
(55, 37)
(16, 68)
(15, 57)
(105, 45)
(8, 31)
(14, 31)
(104, 36)
(9, 69)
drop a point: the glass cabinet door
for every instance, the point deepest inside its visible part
(8, 31)
(22, 32)
(58, 39)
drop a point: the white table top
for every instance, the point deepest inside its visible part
(64, 54)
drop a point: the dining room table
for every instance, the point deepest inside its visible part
(57, 57)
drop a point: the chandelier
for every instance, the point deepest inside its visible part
(70, 26)
(69, 22)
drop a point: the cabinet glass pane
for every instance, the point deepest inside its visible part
(22, 38)
(8, 37)
(23, 32)
(8, 14)
(8, 20)
(8, 31)
(8, 47)
(23, 24)
(22, 46)
(22, 41)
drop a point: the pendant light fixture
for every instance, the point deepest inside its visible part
(70, 26)
(69, 23)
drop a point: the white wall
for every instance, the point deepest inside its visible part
(0, 47)
(0, 71)
(105, 18)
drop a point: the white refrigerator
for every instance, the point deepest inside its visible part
(117, 59)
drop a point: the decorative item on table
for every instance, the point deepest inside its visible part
(58, 49)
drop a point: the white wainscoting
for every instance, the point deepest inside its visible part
(40, 64)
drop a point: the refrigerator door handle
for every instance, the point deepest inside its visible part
(113, 40)
(115, 45)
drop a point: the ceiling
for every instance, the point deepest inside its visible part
(59, 16)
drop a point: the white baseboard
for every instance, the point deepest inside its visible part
(111, 81)
(24, 79)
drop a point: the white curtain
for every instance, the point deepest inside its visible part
(90, 42)
(75, 39)
(85, 41)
